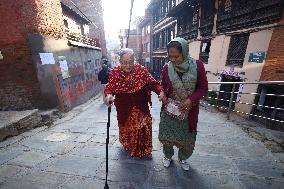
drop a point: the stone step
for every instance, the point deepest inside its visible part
(13, 123)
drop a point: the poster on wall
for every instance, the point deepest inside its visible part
(46, 58)
(1, 56)
(256, 57)
(64, 69)
(204, 45)
(97, 62)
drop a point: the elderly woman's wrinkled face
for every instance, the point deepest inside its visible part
(127, 62)
(175, 56)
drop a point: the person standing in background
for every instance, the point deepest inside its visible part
(103, 77)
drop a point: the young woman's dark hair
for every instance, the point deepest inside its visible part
(174, 44)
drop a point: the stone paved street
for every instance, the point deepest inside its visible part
(71, 154)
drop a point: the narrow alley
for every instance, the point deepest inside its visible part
(71, 154)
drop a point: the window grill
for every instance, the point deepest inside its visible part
(237, 50)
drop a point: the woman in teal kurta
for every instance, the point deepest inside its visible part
(184, 82)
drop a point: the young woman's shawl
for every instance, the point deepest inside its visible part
(184, 86)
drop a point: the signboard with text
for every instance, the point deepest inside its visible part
(256, 57)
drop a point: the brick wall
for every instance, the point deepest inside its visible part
(273, 69)
(134, 42)
(19, 87)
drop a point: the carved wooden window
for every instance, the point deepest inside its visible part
(185, 23)
(207, 17)
(172, 33)
(156, 17)
(173, 3)
(163, 39)
(167, 31)
(166, 6)
(195, 16)
(193, 31)
(170, 5)
(161, 9)
(240, 14)
(228, 5)
(188, 22)
(160, 40)
(156, 41)
(204, 51)
(237, 49)
(207, 7)
(180, 25)
(168, 35)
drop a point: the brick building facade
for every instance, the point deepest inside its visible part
(144, 31)
(163, 30)
(19, 86)
(30, 27)
(273, 69)
(134, 41)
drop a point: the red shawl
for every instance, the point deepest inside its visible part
(122, 82)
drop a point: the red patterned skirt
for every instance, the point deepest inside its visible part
(136, 134)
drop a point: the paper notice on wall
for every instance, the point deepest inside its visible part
(1, 56)
(46, 58)
(64, 69)
(204, 45)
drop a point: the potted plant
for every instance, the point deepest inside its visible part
(212, 95)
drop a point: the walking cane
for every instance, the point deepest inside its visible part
(107, 142)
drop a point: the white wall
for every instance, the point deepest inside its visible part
(217, 56)
(194, 48)
(258, 41)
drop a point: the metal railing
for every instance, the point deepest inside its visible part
(216, 98)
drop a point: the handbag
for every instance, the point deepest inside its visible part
(171, 109)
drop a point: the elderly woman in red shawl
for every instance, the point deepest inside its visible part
(132, 85)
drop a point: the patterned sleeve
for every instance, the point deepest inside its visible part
(153, 85)
(163, 77)
(109, 89)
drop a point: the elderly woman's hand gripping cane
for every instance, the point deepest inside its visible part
(109, 99)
